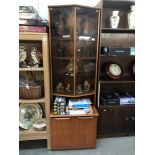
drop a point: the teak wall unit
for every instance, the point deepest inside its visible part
(116, 120)
(74, 38)
(40, 39)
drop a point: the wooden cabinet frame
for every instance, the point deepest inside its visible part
(33, 134)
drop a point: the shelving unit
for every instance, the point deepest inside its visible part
(41, 41)
(73, 61)
(116, 120)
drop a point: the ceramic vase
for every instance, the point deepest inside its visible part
(114, 19)
(131, 17)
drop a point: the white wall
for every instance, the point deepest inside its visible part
(42, 5)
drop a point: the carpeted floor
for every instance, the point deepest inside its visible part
(104, 146)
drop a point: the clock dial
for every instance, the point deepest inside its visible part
(115, 69)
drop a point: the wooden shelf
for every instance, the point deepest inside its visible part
(41, 100)
(102, 55)
(32, 134)
(85, 58)
(95, 113)
(31, 69)
(62, 58)
(117, 81)
(61, 39)
(117, 106)
(74, 96)
(119, 30)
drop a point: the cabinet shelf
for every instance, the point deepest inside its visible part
(61, 39)
(85, 58)
(63, 58)
(112, 56)
(41, 100)
(119, 30)
(31, 69)
(32, 134)
(74, 96)
(117, 106)
(93, 114)
(114, 81)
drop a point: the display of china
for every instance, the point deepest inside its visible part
(131, 17)
(114, 19)
(40, 124)
(29, 113)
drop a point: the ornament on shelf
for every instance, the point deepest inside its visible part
(79, 89)
(86, 86)
(35, 58)
(68, 88)
(59, 87)
(114, 19)
(70, 68)
(22, 57)
(131, 17)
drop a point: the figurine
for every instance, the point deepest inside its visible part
(86, 85)
(69, 68)
(35, 58)
(79, 89)
(59, 87)
(22, 56)
(68, 88)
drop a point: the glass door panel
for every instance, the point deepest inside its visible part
(86, 49)
(62, 22)
(85, 76)
(63, 76)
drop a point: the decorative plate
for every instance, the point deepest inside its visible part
(28, 114)
(40, 124)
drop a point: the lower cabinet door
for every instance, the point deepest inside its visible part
(73, 132)
(108, 121)
(85, 133)
(132, 119)
(62, 133)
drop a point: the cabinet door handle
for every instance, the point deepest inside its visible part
(133, 118)
(61, 118)
(85, 117)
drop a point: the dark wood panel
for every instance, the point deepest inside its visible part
(117, 39)
(115, 120)
(108, 123)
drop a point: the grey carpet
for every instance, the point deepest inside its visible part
(104, 146)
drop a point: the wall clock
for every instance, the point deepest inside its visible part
(114, 70)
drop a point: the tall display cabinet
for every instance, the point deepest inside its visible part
(116, 120)
(74, 39)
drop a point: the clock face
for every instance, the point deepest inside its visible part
(115, 69)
